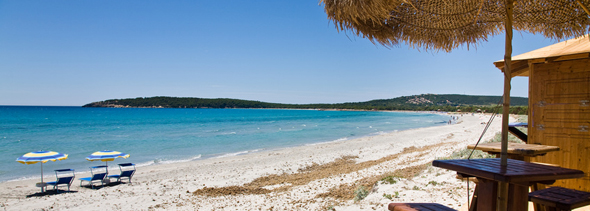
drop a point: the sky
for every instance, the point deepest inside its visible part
(70, 53)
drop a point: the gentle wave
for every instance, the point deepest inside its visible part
(238, 153)
(328, 142)
(161, 161)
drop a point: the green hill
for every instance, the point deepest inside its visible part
(452, 100)
(424, 102)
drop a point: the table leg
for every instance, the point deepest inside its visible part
(487, 191)
(518, 197)
(473, 205)
(539, 186)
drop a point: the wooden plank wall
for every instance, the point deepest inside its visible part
(559, 115)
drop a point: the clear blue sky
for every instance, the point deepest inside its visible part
(76, 52)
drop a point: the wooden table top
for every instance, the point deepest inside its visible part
(516, 149)
(515, 172)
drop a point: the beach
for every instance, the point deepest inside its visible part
(311, 177)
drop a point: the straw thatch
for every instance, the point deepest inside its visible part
(447, 24)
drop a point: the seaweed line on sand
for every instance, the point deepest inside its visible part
(343, 165)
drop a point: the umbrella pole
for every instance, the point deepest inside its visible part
(507, 79)
(502, 202)
(41, 177)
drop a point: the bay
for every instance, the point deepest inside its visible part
(159, 136)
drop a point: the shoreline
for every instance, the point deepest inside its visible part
(171, 186)
(155, 162)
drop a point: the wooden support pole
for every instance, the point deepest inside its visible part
(502, 186)
(583, 7)
(507, 80)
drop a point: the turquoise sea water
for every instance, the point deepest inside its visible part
(156, 136)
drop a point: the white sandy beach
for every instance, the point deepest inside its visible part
(310, 187)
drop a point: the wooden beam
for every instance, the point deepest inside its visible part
(519, 68)
(573, 56)
(583, 7)
(541, 60)
(499, 65)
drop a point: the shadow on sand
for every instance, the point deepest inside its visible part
(50, 193)
(57, 192)
(110, 184)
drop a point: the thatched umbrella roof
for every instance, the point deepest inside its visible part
(447, 24)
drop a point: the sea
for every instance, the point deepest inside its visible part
(158, 136)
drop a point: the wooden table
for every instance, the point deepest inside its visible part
(518, 174)
(516, 151)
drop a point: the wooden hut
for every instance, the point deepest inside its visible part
(559, 104)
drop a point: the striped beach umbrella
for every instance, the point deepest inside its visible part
(41, 157)
(106, 156)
